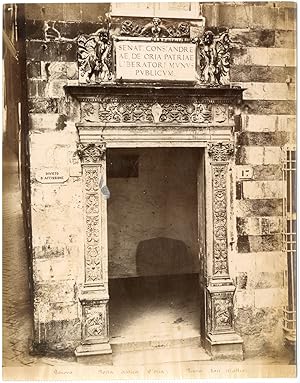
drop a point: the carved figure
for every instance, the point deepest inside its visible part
(155, 29)
(94, 56)
(214, 58)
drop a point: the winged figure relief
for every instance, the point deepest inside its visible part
(94, 56)
(214, 58)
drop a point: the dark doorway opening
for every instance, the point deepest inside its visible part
(153, 245)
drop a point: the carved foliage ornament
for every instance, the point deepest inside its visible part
(113, 110)
(91, 153)
(223, 311)
(220, 261)
(94, 323)
(155, 29)
(220, 151)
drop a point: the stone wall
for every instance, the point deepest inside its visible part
(263, 62)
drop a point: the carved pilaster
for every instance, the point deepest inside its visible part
(94, 297)
(220, 154)
(221, 337)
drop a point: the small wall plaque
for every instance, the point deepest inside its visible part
(52, 175)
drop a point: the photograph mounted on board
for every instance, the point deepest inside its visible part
(149, 190)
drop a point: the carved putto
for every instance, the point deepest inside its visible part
(155, 29)
(94, 57)
(214, 58)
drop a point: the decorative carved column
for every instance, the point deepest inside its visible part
(94, 297)
(222, 341)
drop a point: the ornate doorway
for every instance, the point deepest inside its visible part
(134, 116)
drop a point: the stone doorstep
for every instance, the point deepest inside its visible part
(94, 354)
(225, 346)
(121, 345)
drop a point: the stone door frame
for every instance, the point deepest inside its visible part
(125, 117)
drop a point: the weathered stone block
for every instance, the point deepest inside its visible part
(259, 208)
(248, 73)
(94, 12)
(258, 155)
(270, 262)
(51, 50)
(43, 121)
(238, 16)
(269, 107)
(262, 123)
(261, 329)
(248, 226)
(244, 298)
(260, 243)
(270, 297)
(53, 269)
(47, 11)
(58, 335)
(271, 225)
(55, 292)
(55, 89)
(267, 172)
(33, 69)
(72, 12)
(262, 189)
(243, 244)
(267, 91)
(265, 56)
(262, 138)
(285, 39)
(253, 38)
(42, 105)
(266, 280)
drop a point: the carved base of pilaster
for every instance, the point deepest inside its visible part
(221, 341)
(100, 353)
(225, 346)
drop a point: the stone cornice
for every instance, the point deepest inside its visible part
(225, 94)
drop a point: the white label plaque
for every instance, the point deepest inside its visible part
(52, 175)
(156, 61)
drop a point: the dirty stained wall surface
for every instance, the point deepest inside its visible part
(262, 60)
(152, 218)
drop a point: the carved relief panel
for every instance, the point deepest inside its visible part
(95, 326)
(96, 58)
(147, 111)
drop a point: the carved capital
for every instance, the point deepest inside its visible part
(91, 153)
(220, 152)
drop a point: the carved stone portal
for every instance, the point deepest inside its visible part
(158, 116)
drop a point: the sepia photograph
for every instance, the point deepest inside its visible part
(149, 190)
